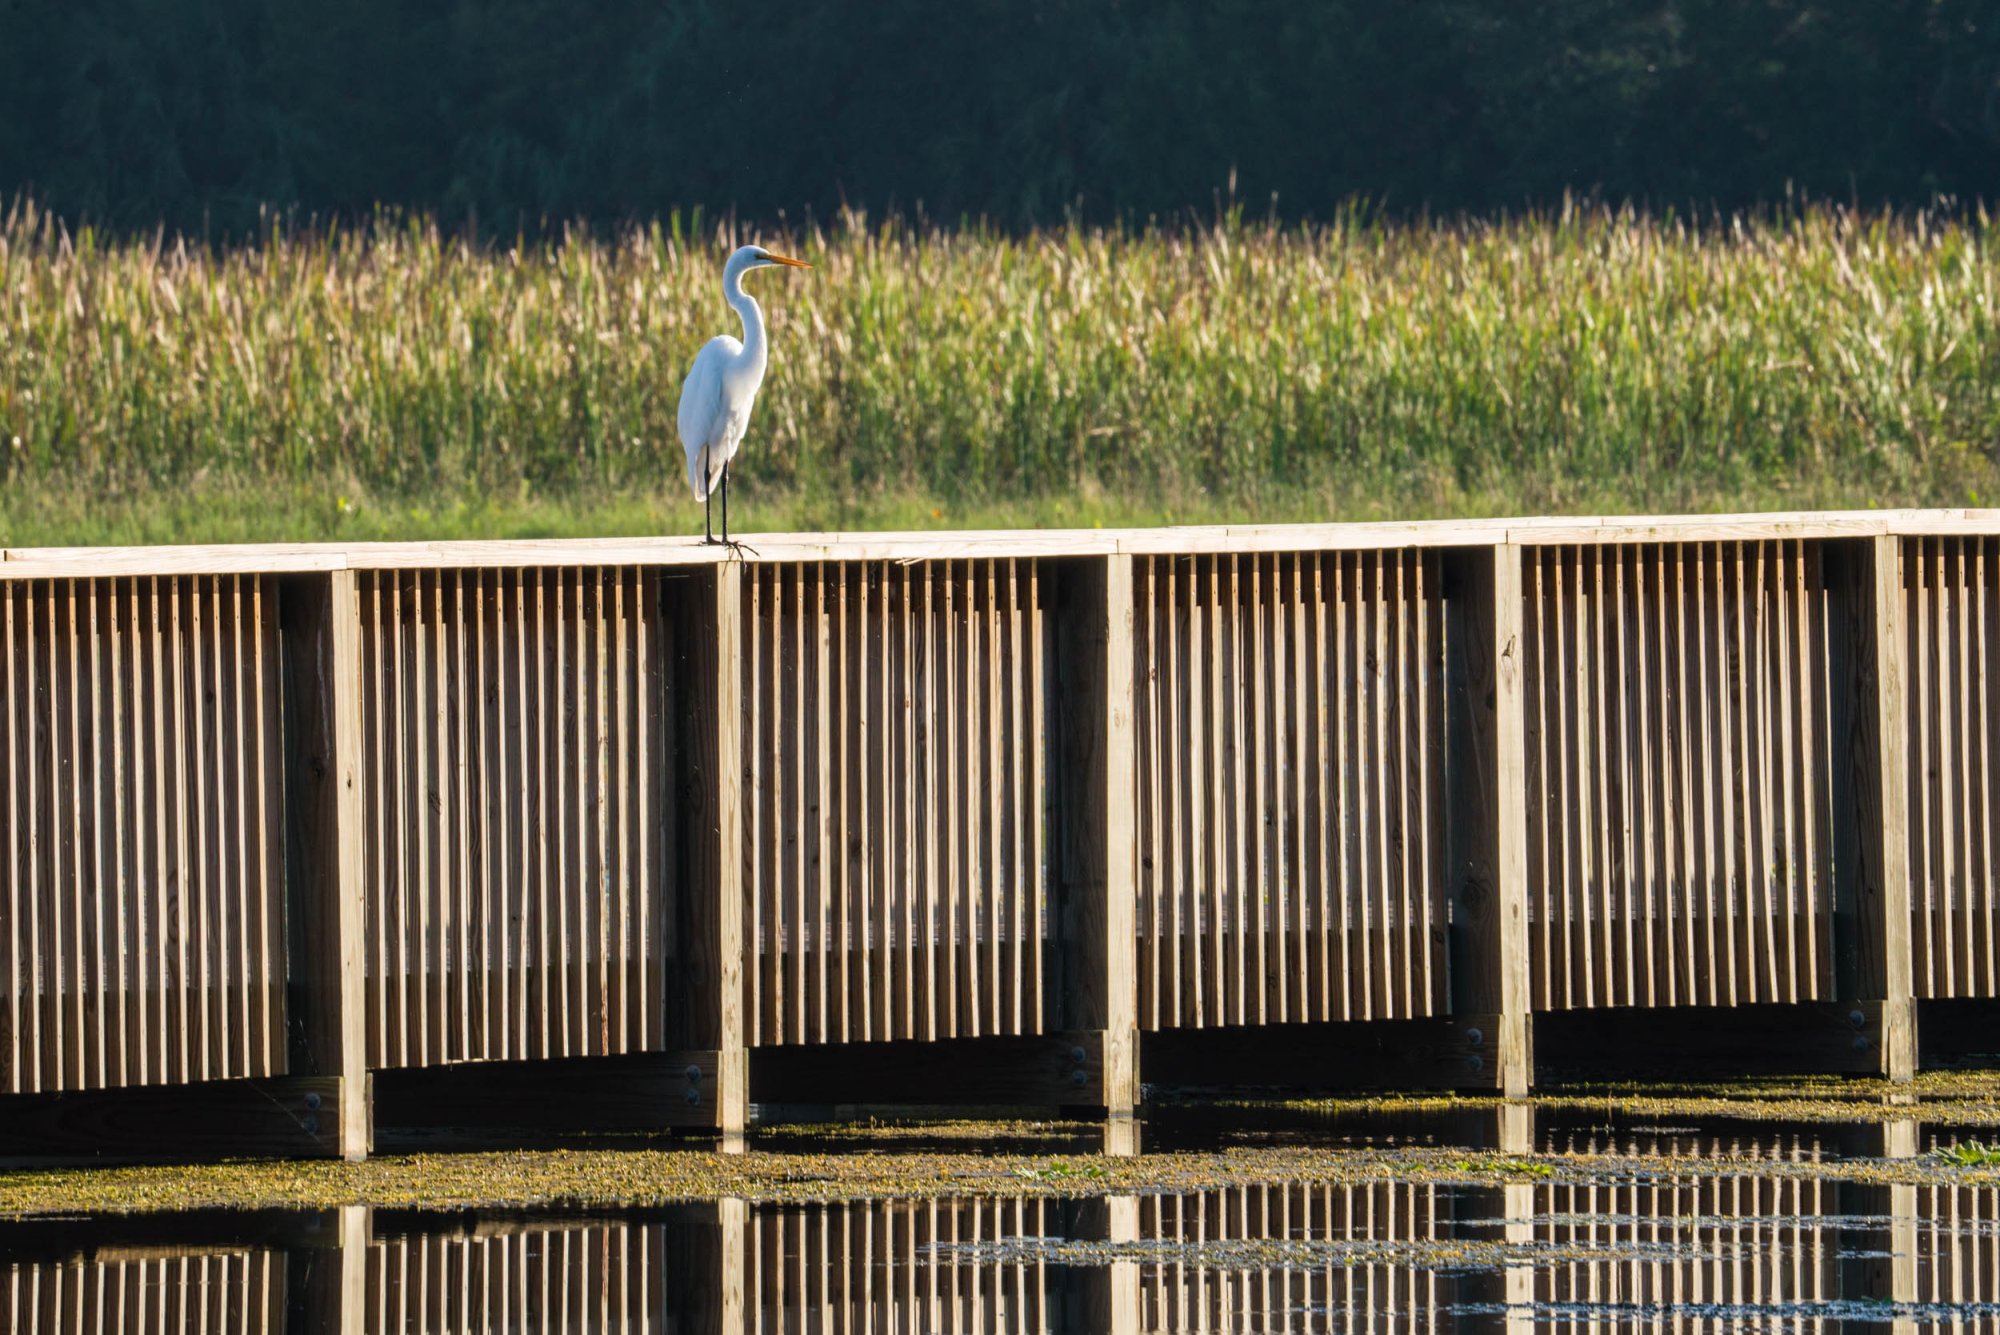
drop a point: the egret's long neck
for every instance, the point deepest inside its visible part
(753, 318)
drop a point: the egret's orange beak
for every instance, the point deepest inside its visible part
(776, 258)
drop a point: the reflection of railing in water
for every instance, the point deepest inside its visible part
(213, 1293)
(1356, 1291)
(904, 1266)
(1683, 1250)
(992, 817)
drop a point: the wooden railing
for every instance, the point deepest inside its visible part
(281, 817)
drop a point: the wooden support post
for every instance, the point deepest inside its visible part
(705, 999)
(1094, 811)
(1487, 794)
(320, 630)
(1872, 906)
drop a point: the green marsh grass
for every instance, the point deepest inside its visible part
(390, 381)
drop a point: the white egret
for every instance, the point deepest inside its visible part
(722, 384)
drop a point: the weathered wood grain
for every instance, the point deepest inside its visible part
(68, 562)
(288, 1116)
(1485, 720)
(320, 620)
(484, 1101)
(1071, 1069)
(1097, 824)
(941, 787)
(1288, 729)
(705, 998)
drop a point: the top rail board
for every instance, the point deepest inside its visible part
(286, 558)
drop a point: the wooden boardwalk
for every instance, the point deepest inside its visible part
(972, 818)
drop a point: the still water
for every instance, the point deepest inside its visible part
(1759, 1229)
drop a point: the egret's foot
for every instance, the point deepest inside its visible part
(739, 547)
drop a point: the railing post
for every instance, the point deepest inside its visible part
(708, 1002)
(1486, 724)
(321, 644)
(1872, 897)
(1098, 834)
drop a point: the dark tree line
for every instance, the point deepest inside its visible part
(197, 112)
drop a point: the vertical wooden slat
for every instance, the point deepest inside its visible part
(428, 724)
(930, 833)
(1726, 762)
(523, 924)
(1809, 661)
(108, 1021)
(1606, 830)
(1021, 800)
(1307, 891)
(1256, 838)
(18, 834)
(1714, 854)
(1690, 874)
(994, 739)
(506, 812)
(198, 887)
(1962, 888)
(157, 768)
(1645, 922)
(1760, 691)
(176, 872)
(1327, 878)
(953, 930)
(1430, 742)
(758, 812)
(1229, 888)
(1985, 879)
(1204, 936)
(242, 1003)
(1345, 841)
(886, 804)
(575, 897)
(908, 628)
(838, 705)
(1380, 940)
(795, 759)
(466, 916)
(862, 812)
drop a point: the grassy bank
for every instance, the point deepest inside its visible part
(390, 382)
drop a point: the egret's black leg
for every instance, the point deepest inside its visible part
(707, 503)
(728, 541)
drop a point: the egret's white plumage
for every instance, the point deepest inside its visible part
(722, 384)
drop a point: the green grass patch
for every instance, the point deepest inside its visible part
(1061, 1170)
(390, 382)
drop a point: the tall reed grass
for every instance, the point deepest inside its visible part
(1579, 360)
